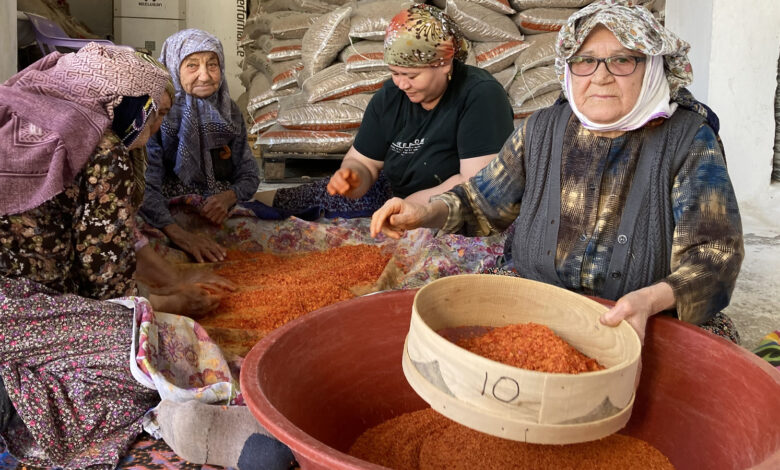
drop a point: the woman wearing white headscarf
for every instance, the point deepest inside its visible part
(619, 190)
(202, 146)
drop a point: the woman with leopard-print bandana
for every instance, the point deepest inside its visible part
(436, 123)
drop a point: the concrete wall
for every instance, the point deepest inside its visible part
(735, 48)
(224, 19)
(8, 55)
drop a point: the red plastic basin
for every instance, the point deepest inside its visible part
(320, 381)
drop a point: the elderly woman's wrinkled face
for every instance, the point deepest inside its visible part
(602, 97)
(200, 74)
(423, 85)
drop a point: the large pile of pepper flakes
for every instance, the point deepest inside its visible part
(274, 289)
(426, 440)
(530, 346)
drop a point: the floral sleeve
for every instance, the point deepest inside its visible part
(104, 223)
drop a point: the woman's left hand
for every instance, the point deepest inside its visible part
(637, 306)
(217, 206)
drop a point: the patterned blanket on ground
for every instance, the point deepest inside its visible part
(417, 258)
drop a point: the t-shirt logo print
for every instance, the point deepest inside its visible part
(407, 148)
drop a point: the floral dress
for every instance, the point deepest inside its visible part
(63, 350)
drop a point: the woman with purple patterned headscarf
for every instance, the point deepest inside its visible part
(71, 126)
(619, 190)
(201, 148)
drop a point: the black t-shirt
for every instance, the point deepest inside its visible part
(420, 148)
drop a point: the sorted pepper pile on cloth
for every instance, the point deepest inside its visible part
(419, 256)
(275, 289)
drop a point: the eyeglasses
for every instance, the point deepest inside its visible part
(619, 65)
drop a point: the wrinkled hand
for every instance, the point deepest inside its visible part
(634, 308)
(208, 279)
(201, 248)
(217, 206)
(343, 182)
(396, 216)
(194, 300)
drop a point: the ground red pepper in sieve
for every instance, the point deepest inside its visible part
(426, 440)
(530, 346)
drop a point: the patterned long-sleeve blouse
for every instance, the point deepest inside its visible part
(81, 241)
(596, 174)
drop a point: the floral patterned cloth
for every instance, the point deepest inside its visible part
(80, 241)
(64, 362)
(175, 356)
(422, 254)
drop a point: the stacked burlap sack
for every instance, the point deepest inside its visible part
(311, 66)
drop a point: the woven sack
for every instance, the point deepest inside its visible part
(325, 39)
(267, 97)
(520, 5)
(540, 52)
(280, 139)
(306, 6)
(335, 82)
(263, 118)
(533, 83)
(371, 18)
(284, 49)
(285, 74)
(344, 113)
(535, 103)
(292, 26)
(259, 85)
(479, 23)
(506, 77)
(260, 23)
(542, 20)
(495, 56)
(364, 56)
(259, 60)
(247, 75)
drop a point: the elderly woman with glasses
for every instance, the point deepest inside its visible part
(619, 190)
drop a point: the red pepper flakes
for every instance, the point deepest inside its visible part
(530, 346)
(277, 289)
(426, 440)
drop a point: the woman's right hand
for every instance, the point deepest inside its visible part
(343, 182)
(191, 300)
(397, 216)
(201, 248)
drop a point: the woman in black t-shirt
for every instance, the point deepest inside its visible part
(433, 126)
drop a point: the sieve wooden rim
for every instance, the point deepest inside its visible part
(557, 408)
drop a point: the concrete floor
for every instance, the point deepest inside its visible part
(755, 305)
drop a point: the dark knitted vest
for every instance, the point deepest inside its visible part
(642, 253)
